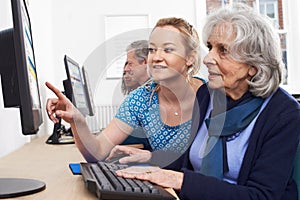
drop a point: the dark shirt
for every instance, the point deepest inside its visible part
(138, 136)
(267, 168)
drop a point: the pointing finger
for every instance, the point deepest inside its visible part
(55, 90)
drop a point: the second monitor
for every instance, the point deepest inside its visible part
(77, 90)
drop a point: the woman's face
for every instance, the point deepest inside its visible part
(167, 59)
(224, 71)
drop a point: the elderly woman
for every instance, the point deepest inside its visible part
(245, 139)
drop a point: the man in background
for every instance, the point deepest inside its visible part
(134, 75)
(135, 68)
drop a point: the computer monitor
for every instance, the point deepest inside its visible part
(20, 87)
(18, 70)
(77, 90)
(89, 93)
(74, 86)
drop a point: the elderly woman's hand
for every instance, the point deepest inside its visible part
(162, 177)
(129, 154)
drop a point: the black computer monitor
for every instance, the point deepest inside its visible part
(77, 90)
(18, 70)
(20, 87)
(74, 86)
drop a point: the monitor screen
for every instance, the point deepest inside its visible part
(18, 69)
(74, 86)
(30, 60)
(88, 91)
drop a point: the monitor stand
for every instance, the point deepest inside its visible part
(15, 187)
(60, 135)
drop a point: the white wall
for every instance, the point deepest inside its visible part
(293, 27)
(6, 21)
(76, 28)
(79, 29)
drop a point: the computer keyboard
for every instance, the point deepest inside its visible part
(100, 178)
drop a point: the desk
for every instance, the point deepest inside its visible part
(47, 163)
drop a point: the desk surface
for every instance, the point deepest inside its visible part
(47, 163)
(50, 164)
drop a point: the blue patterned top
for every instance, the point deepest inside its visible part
(141, 109)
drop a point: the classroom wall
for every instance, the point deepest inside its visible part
(75, 28)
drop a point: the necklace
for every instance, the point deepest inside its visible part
(176, 113)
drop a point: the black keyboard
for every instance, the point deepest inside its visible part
(100, 178)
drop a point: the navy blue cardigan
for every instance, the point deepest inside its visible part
(266, 171)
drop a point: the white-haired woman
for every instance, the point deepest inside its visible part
(247, 128)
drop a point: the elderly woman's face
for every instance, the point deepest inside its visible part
(224, 71)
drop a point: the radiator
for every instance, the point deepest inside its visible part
(103, 115)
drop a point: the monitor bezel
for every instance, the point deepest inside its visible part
(33, 119)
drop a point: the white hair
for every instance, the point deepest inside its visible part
(256, 44)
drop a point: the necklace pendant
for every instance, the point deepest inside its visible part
(176, 113)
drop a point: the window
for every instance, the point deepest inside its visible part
(270, 9)
(274, 10)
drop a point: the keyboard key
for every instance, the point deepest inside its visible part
(104, 182)
(144, 187)
(134, 186)
(124, 183)
(113, 180)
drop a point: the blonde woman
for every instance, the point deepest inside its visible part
(163, 107)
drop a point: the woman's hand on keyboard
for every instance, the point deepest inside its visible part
(134, 155)
(162, 177)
